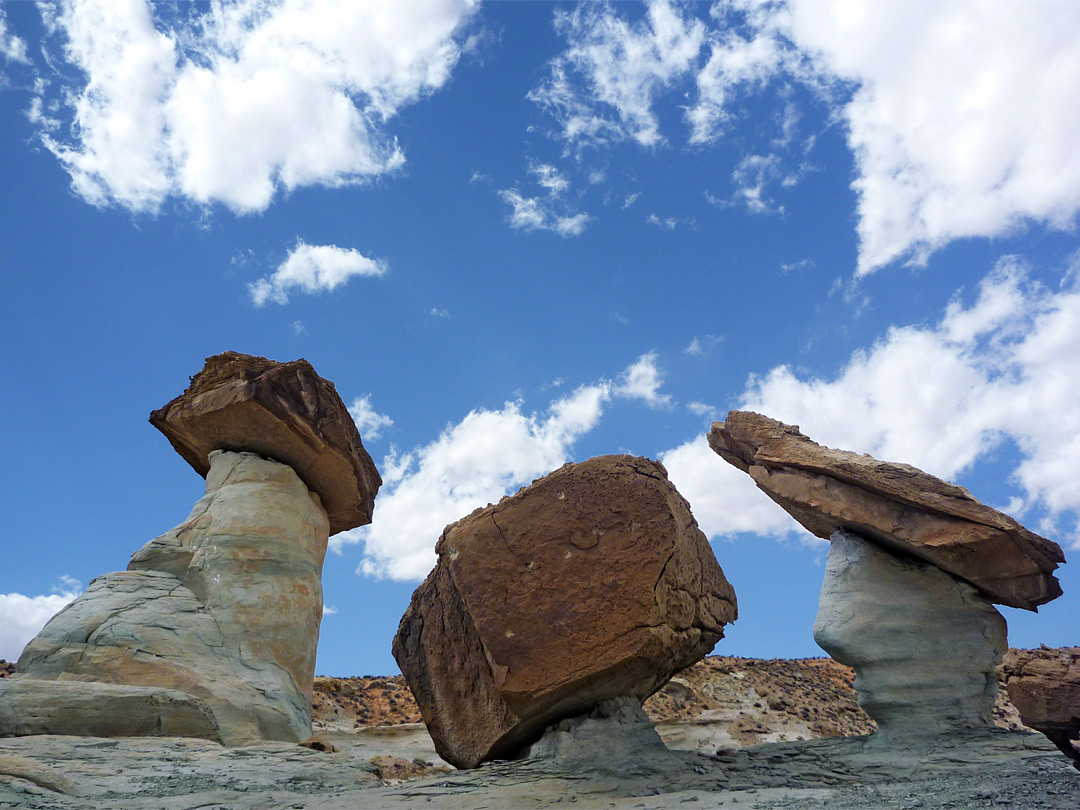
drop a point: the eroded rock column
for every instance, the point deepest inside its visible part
(212, 630)
(923, 644)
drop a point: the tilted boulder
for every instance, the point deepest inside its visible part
(914, 565)
(895, 505)
(591, 584)
(212, 630)
(1044, 686)
(282, 411)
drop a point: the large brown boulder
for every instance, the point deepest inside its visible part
(593, 583)
(281, 411)
(897, 506)
(1044, 686)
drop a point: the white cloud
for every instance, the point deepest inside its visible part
(942, 397)
(736, 64)
(12, 48)
(22, 617)
(477, 461)
(602, 88)
(642, 380)
(328, 611)
(631, 199)
(368, 422)
(550, 178)
(724, 499)
(539, 214)
(234, 103)
(440, 313)
(703, 345)
(701, 408)
(312, 269)
(750, 178)
(668, 223)
(963, 124)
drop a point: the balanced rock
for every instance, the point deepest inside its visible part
(1044, 686)
(282, 411)
(923, 644)
(593, 583)
(212, 630)
(895, 505)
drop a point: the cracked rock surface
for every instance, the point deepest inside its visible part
(211, 632)
(592, 583)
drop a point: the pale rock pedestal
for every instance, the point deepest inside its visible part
(923, 644)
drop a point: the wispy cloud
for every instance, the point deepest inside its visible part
(603, 86)
(313, 269)
(702, 345)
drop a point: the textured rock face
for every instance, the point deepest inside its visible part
(224, 608)
(593, 583)
(895, 505)
(282, 411)
(923, 644)
(1044, 685)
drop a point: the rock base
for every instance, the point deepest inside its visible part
(923, 644)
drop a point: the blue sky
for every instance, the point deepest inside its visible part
(519, 234)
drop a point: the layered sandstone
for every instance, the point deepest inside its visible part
(591, 584)
(282, 411)
(923, 644)
(895, 505)
(212, 630)
(1044, 685)
(225, 608)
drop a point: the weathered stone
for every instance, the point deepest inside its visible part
(923, 644)
(29, 706)
(226, 607)
(593, 583)
(1044, 685)
(896, 505)
(282, 411)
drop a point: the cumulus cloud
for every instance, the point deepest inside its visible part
(488, 454)
(312, 269)
(477, 461)
(961, 124)
(724, 499)
(603, 86)
(22, 617)
(231, 104)
(642, 380)
(1002, 367)
(368, 421)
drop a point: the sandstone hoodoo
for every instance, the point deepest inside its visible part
(212, 630)
(914, 566)
(591, 584)
(1044, 685)
(895, 505)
